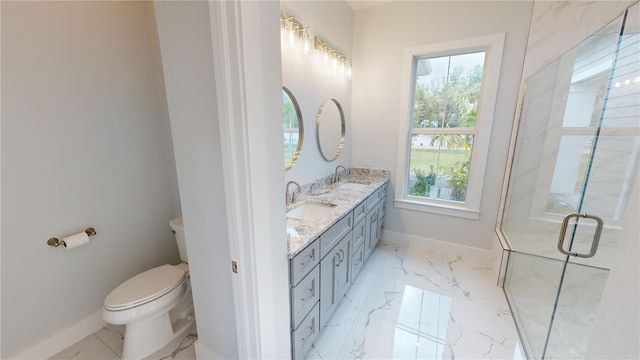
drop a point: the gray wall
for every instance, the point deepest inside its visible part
(380, 36)
(85, 142)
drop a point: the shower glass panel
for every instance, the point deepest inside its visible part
(577, 151)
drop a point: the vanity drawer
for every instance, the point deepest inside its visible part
(358, 234)
(302, 263)
(359, 212)
(372, 200)
(357, 261)
(383, 191)
(306, 333)
(304, 296)
(335, 233)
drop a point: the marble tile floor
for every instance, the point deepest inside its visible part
(406, 303)
(414, 303)
(107, 343)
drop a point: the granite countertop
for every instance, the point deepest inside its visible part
(300, 232)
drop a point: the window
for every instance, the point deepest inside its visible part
(448, 95)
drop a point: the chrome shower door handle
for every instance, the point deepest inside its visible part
(596, 235)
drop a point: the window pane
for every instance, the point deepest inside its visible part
(439, 166)
(447, 91)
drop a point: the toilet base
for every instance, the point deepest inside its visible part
(144, 338)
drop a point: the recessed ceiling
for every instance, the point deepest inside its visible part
(365, 4)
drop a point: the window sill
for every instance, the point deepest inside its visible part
(448, 209)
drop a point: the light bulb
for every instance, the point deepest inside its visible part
(292, 35)
(306, 39)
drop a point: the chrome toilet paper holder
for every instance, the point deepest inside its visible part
(55, 242)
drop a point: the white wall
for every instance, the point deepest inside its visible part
(311, 83)
(85, 142)
(380, 36)
(263, 123)
(184, 30)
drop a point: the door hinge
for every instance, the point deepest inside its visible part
(234, 266)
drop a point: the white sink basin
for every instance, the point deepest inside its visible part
(310, 210)
(352, 186)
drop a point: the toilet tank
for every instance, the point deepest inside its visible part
(178, 231)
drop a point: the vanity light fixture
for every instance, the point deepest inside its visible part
(296, 34)
(333, 57)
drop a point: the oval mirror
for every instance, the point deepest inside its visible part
(330, 129)
(293, 128)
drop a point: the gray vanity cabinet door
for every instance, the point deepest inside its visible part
(334, 277)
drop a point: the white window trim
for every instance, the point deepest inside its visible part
(493, 45)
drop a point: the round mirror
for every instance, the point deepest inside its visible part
(293, 129)
(330, 129)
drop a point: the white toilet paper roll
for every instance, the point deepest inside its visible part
(75, 240)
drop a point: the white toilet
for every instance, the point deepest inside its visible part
(156, 306)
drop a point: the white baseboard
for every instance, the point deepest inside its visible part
(203, 352)
(486, 256)
(62, 339)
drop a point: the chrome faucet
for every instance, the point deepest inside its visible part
(335, 175)
(293, 194)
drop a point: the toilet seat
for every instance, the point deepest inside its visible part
(145, 287)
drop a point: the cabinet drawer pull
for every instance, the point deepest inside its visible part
(307, 259)
(312, 329)
(311, 292)
(337, 262)
(342, 257)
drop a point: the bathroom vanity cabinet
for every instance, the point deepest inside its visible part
(323, 271)
(334, 278)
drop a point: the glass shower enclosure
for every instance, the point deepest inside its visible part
(574, 165)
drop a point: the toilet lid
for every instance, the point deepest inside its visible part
(145, 287)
